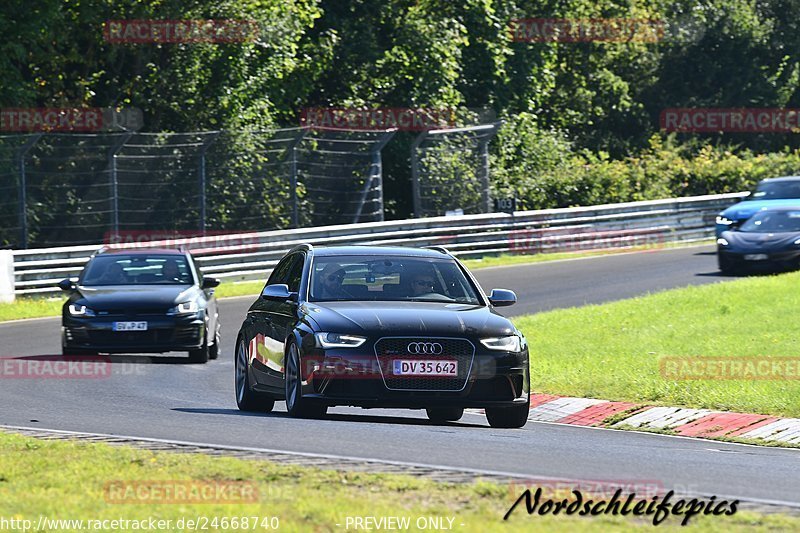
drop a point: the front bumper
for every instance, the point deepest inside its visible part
(786, 260)
(342, 377)
(163, 334)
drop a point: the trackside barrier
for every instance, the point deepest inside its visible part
(252, 255)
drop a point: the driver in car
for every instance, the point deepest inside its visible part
(332, 277)
(421, 284)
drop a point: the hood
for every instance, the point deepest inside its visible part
(746, 209)
(761, 242)
(409, 318)
(132, 297)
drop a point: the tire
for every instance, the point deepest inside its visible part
(508, 417)
(201, 354)
(246, 398)
(725, 265)
(296, 405)
(213, 350)
(445, 414)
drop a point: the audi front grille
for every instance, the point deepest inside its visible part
(388, 349)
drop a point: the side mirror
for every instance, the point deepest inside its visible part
(66, 285)
(502, 297)
(210, 283)
(279, 292)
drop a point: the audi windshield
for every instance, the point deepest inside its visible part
(392, 278)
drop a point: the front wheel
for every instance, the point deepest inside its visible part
(445, 414)
(201, 354)
(246, 398)
(213, 350)
(508, 417)
(296, 405)
(726, 266)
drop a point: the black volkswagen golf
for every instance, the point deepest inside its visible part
(141, 301)
(381, 327)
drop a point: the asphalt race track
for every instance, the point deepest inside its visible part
(196, 402)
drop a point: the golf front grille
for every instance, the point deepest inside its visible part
(389, 349)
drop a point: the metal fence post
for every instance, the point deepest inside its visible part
(483, 170)
(293, 176)
(23, 189)
(112, 170)
(376, 175)
(201, 176)
(415, 174)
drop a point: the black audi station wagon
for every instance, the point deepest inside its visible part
(384, 327)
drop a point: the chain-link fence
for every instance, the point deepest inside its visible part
(450, 171)
(61, 189)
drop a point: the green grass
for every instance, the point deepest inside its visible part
(67, 480)
(612, 351)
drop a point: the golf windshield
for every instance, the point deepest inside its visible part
(359, 278)
(137, 269)
(773, 222)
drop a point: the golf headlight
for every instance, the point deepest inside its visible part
(725, 221)
(723, 242)
(338, 340)
(797, 242)
(185, 308)
(80, 310)
(506, 344)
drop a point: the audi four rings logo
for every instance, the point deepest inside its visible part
(425, 348)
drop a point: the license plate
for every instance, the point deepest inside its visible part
(129, 326)
(438, 367)
(756, 257)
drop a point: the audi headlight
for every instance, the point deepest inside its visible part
(511, 343)
(725, 221)
(185, 308)
(338, 340)
(724, 242)
(80, 310)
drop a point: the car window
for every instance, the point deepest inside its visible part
(390, 278)
(295, 273)
(137, 269)
(776, 190)
(773, 222)
(281, 272)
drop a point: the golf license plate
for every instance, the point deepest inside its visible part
(129, 326)
(419, 367)
(756, 257)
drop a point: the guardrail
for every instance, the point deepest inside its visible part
(250, 256)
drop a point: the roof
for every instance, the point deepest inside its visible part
(378, 251)
(782, 178)
(139, 249)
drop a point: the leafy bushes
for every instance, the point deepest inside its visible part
(542, 169)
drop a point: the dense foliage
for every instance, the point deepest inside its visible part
(581, 119)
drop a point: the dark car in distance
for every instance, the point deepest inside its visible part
(769, 240)
(384, 327)
(141, 300)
